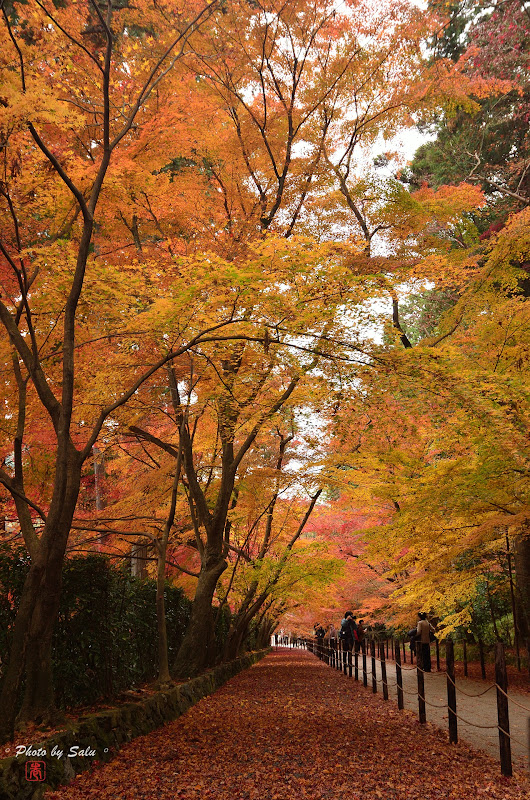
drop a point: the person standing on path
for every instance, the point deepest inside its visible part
(331, 634)
(319, 634)
(348, 633)
(423, 637)
(329, 641)
(360, 635)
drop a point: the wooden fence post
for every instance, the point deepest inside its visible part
(399, 679)
(383, 674)
(374, 673)
(501, 679)
(482, 660)
(356, 660)
(365, 673)
(421, 684)
(437, 655)
(387, 648)
(392, 648)
(451, 690)
(404, 652)
(350, 661)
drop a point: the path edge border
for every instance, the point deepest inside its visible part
(109, 730)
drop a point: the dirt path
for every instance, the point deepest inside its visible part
(292, 727)
(478, 710)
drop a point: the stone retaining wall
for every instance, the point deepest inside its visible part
(98, 736)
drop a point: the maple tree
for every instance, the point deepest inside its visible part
(301, 90)
(160, 305)
(447, 452)
(66, 117)
(232, 393)
(268, 556)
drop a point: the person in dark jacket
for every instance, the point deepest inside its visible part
(348, 631)
(319, 634)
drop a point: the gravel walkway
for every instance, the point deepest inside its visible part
(478, 710)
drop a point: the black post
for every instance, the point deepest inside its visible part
(437, 655)
(365, 673)
(421, 684)
(399, 679)
(350, 663)
(383, 674)
(356, 657)
(481, 656)
(404, 652)
(451, 690)
(374, 673)
(501, 679)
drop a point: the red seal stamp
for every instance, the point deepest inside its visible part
(35, 770)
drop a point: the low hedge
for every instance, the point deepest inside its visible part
(105, 638)
(98, 736)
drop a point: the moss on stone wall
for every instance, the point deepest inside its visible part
(105, 732)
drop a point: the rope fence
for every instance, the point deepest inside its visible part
(360, 662)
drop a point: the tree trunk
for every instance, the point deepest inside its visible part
(265, 632)
(522, 573)
(197, 650)
(234, 639)
(17, 655)
(39, 699)
(163, 663)
(240, 625)
(37, 613)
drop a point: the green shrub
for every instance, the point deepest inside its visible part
(105, 639)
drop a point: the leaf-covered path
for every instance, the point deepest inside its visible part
(292, 727)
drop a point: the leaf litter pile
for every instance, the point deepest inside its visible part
(292, 727)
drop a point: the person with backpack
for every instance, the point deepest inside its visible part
(348, 632)
(319, 635)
